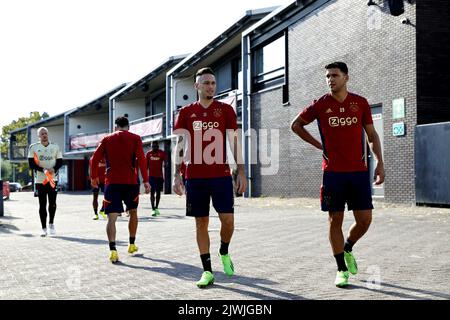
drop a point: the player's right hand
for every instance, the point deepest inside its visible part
(94, 182)
(147, 187)
(177, 186)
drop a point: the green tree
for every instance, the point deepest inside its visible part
(21, 169)
(6, 170)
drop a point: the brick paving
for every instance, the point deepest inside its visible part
(280, 250)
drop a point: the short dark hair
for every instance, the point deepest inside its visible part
(155, 143)
(122, 122)
(202, 71)
(338, 65)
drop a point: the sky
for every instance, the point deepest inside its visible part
(61, 54)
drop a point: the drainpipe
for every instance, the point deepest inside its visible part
(111, 115)
(28, 145)
(169, 87)
(246, 112)
(66, 134)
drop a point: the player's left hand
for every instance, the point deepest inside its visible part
(241, 182)
(379, 174)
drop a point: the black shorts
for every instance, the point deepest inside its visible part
(199, 193)
(156, 183)
(116, 193)
(339, 188)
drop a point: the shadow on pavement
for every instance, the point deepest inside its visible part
(192, 273)
(75, 193)
(8, 218)
(410, 295)
(167, 217)
(147, 207)
(89, 241)
(8, 228)
(27, 235)
(146, 218)
(276, 294)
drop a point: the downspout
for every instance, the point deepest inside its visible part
(29, 143)
(246, 112)
(169, 87)
(111, 114)
(66, 134)
(29, 136)
(168, 129)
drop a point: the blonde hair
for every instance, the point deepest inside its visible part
(40, 129)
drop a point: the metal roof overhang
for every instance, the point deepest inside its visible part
(18, 130)
(222, 44)
(280, 19)
(154, 80)
(49, 122)
(78, 154)
(96, 106)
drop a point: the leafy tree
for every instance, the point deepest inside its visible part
(6, 169)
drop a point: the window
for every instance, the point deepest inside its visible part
(223, 78)
(270, 64)
(155, 105)
(227, 75)
(159, 104)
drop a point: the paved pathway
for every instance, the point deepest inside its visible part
(280, 250)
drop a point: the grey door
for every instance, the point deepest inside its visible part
(377, 116)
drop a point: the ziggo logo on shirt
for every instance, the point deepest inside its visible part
(45, 158)
(199, 125)
(336, 121)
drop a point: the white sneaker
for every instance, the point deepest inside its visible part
(52, 229)
(44, 232)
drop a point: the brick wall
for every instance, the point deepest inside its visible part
(381, 68)
(268, 113)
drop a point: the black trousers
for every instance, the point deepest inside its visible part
(44, 192)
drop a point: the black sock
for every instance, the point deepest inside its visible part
(158, 198)
(341, 262)
(206, 262)
(152, 201)
(223, 247)
(132, 239)
(95, 211)
(348, 246)
(112, 245)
